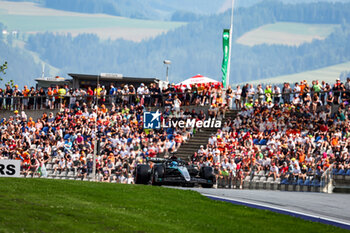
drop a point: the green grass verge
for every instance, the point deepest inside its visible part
(29, 17)
(327, 74)
(322, 30)
(286, 33)
(38, 205)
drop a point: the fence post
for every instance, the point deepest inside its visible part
(94, 160)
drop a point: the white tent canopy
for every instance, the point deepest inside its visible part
(198, 79)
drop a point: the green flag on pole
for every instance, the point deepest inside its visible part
(226, 48)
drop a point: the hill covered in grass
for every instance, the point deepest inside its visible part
(320, 31)
(155, 9)
(197, 47)
(38, 205)
(326, 74)
(286, 33)
(139, 9)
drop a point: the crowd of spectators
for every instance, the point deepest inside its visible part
(12, 98)
(314, 94)
(290, 134)
(67, 139)
(293, 137)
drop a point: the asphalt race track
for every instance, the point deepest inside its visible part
(331, 209)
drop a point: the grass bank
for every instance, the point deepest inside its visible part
(39, 205)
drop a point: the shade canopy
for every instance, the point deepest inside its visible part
(198, 79)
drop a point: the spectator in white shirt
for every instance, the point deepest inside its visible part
(277, 94)
(274, 171)
(251, 92)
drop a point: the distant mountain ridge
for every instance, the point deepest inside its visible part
(197, 47)
(140, 9)
(156, 9)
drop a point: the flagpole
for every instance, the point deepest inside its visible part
(230, 46)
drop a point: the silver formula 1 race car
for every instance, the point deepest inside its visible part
(173, 171)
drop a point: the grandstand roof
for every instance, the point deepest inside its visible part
(112, 77)
(80, 80)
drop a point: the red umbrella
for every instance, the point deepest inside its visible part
(199, 79)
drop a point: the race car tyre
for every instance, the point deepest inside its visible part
(207, 174)
(158, 172)
(207, 186)
(142, 174)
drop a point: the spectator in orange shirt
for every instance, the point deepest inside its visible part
(31, 123)
(25, 93)
(50, 99)
(335, 141)
(301, 86)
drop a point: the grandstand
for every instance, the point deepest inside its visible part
(290, 139)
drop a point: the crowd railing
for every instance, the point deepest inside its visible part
(287, 98)
(68, 101)
(152, 100)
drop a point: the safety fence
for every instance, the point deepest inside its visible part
(188, 98)
(70, 101)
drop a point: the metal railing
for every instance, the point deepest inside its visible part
(287, 98)
(69, 101)
(149, 100)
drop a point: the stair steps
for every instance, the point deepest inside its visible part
(200, 138)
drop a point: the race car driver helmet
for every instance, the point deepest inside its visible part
(173, 164)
